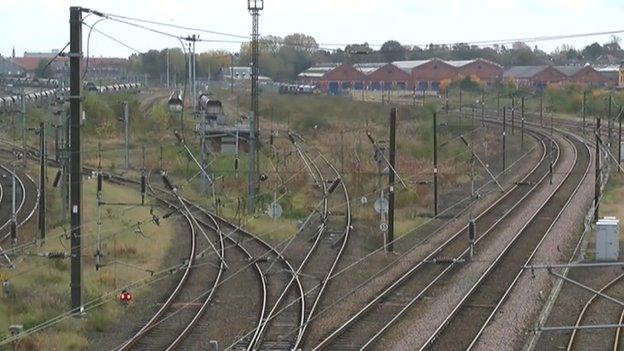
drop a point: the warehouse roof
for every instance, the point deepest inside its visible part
(569, 70)
(523, 71)
(368, 68)
(407, 66)
(318, 71)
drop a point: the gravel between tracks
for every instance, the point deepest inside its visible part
(342, 311)
(508, 330)
(421, 321)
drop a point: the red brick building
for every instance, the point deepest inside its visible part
(380, 76)
(583, 75)
(487, 71)
(537, 77)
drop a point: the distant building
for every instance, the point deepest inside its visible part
(401, 75)
(539, 77)
(10, 69)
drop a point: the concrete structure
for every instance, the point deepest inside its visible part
(607, 239)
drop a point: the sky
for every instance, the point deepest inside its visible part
(42, 25)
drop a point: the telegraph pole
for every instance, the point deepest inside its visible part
(42, 183)
(254, 7)
(597, 182)
(232, 74)
(391, 173)
(75, 106)
(435, 165)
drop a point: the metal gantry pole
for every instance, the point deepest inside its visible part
(542, 109)
(254, 6)
(522, 126)
(609, 120)
(126, 118)
(584, 109)
(42, 183)
(504, 139)
(167, 68)
(620, 137)
(392, 159)
(75, 193)
(23, 113)
(513, 115)
(435, 165)
(598, 172)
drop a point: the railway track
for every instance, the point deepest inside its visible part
(368, 325)
(322, 249)
(245, 252)
(184, 306)
(586, 313)
(463, 326)
(26, 196)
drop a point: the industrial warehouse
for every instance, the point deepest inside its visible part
(429, 75)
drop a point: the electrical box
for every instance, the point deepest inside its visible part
(608, 239)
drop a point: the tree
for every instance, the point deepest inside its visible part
(392, 50)
(43, 70)
(593, 51)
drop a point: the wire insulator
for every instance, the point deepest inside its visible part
(57, 179)
(177, 134)
(13, 230)
(334, 185)
(292, 139)
(143, 189)
(99, 182)
(168, 183)
(370, 137)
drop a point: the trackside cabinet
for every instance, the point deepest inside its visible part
(608, 239)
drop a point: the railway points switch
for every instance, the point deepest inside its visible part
(607, 239)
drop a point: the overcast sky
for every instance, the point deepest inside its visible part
(42, 25)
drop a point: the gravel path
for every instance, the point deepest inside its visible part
(422, 321)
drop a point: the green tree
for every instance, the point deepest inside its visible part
(43, 70)
(392, 50)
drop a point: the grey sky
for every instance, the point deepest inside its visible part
(42, 25)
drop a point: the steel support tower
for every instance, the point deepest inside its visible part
(254, 7)
(75, 156)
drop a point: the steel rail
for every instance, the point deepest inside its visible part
(512, 286)
(591, 300)
(408, 275)
(451, 316)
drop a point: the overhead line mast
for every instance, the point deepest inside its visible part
(254, 7)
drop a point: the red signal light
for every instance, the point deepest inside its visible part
(125, 296)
